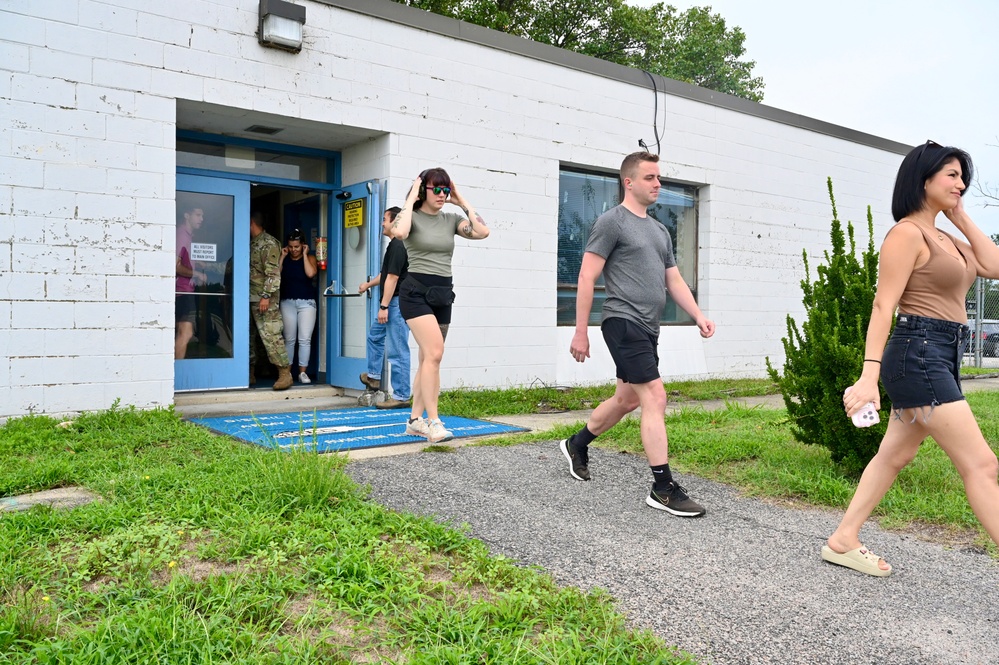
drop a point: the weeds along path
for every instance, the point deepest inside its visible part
(744, 584)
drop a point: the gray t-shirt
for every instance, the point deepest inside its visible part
(431, 242)
(638, 251)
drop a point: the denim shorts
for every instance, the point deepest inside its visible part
(921, 365)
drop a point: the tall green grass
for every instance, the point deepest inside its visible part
(205, 550)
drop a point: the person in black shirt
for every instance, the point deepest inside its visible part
(390, 327)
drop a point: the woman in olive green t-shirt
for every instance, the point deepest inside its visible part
(425, 295)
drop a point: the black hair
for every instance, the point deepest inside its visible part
(921, 164)
(437, 177)
(393, 212)
(296, 235)
(258, 217)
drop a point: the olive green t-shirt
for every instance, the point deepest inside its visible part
(431, 242)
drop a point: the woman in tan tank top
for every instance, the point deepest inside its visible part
(925, 274)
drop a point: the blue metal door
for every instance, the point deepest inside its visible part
(354, 254)
(211, 342)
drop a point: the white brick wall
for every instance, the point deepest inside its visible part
(87, 172)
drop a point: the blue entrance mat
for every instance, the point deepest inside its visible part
(338, 430)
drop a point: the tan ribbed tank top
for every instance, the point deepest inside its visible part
(937, 289)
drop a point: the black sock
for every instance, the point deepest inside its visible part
(582, 438)
(661, 477)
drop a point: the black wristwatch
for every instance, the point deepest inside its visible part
(383, 307)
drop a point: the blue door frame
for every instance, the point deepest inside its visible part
(343, 370)
(212, 373)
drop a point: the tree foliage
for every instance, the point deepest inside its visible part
(826, 355)
(695, 45)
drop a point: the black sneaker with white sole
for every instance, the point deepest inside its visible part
(578, 459)
(675, 502)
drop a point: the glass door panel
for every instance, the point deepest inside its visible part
(354, 257)
(211, 325)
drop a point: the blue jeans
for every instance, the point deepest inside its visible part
(921, 364)
(395, 334)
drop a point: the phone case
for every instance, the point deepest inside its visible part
(867, 416)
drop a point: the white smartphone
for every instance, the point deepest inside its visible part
(867, 416)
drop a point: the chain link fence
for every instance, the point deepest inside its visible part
(983, 318)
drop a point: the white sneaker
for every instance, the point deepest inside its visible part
(437, 433)
(304, 378)
(418, 427)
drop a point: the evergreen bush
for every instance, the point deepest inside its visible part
(826, 355)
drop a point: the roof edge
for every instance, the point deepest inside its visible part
(449, 27)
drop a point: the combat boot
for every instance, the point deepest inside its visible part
(284, 379)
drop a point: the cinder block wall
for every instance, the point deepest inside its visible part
(89, 92)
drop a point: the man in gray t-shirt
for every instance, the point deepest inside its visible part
(635, 254)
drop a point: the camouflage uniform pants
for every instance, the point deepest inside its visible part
(269, 326)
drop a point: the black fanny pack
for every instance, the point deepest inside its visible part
(436, 296)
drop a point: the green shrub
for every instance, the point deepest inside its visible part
(825, 356)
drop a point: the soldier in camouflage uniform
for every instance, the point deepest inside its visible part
(265, 293)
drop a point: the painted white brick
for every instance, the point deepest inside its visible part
(73, 397)
(156, 159)
(22, 173)
(177, 84)
(104, 100)
(5, 257)
(108, 316)
(75, 287)
(23, 28)
(122, 75)
(156, 211)
(135, 50)
(155, 263)
(40, 203)
(142, 394)
(135, 130)
(72, 177)
(36, 258)
(135, 183)
(23, 286)
(71, 341)
(102, 261)
(138, 289)
(18, 401)
(167, 30)
(42, 147)
(106, 154)
(155, 107)
(40, 315)
(15, 58)
(6, 201)
(60, 65)
(108, 18)
(70, 122)
(76, 39)
(105, 207)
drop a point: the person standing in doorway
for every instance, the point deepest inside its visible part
(298, 300)
(185, 307)
(426, 296)
(265, 314)
(634, 253)
(390, 330)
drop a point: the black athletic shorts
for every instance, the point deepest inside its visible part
(412, 303)
(634, 349)
(185, 308)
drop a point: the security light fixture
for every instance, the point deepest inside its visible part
(281, 25)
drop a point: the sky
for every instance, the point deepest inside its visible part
(906, 70)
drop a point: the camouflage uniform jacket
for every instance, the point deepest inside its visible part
(265, 271)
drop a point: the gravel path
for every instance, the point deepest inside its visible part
(744, 584)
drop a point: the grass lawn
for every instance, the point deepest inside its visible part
(207, 551)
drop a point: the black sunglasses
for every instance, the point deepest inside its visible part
(928, 144)
(438, 190)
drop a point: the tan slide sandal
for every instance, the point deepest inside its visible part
(861, 559)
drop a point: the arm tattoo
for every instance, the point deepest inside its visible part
(466, 229)
(479, 219)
